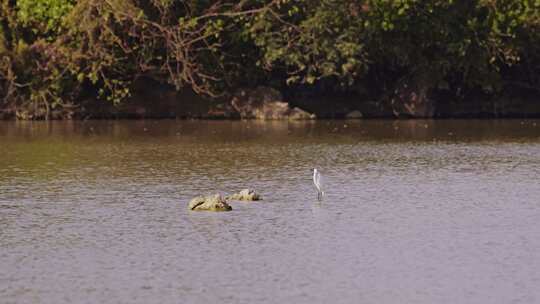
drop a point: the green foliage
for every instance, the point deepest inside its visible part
(311, 40)
(3, 41)
(468, 42)
(55, 51)
(43, 16)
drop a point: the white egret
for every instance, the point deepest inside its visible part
(318, 184)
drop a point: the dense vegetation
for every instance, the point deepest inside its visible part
(55, 53)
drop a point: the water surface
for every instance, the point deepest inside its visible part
(416, 212)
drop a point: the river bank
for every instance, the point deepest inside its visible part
(152, 100)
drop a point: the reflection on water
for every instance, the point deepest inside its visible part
(241, 131)
(416, 212)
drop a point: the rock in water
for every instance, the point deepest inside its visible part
(354, 115)
(299, 114)
(265, 103)
(209, 203)
(245, 195)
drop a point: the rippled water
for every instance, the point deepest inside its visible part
(416, 212)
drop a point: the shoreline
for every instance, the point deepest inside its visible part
(266, 103)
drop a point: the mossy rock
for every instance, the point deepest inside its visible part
(245, 195)
(209, 203)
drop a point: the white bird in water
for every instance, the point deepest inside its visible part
(318, 185)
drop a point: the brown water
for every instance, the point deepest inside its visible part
(415, 212)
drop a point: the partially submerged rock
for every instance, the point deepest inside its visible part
(299, 114)
(265, 103)
(209, 203)
(245, 195)
(354, 115)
